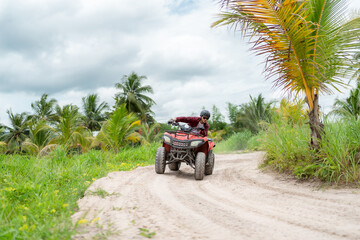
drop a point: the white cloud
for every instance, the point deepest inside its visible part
(69, 49)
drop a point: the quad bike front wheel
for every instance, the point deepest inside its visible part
(160, 160)
(209, 166)
(199, 166)
(175, 166)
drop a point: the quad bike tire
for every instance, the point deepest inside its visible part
(175, 166)
(199, 166)
(209, 166)
(160, 160)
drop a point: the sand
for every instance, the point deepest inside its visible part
(238, 201)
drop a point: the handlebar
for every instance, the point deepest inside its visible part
(183, 128)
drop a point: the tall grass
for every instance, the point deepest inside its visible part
(38, 195)
(237, 141)
(286, 144)
(337, 161)
(340, 152)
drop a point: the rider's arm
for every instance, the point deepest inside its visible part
(190, 120)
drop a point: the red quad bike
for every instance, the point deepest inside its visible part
(185, 145)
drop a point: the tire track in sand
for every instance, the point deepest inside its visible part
(237, 202)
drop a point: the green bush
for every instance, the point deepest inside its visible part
(287, 147)
(237, 141)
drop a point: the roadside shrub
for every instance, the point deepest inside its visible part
(237, 141)
(287, 144)
(340, 152)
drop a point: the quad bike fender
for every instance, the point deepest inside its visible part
(167, 147)
(211, 145)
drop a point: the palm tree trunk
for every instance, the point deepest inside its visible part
(316, 127)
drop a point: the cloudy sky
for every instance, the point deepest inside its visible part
(71, 48)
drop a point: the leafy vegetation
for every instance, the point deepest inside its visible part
(38, 195)
(133, 94)
(306, 44)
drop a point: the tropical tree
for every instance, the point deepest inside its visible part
(306, 44)
(350, 107)
(69, 130)
(16, 134)
(133, 94)
(217, 120)
(39, 136)
(120, 129)
(356, 66)
(293, 112)
(93, 112)
(148, 133)
(44, 109)
(251, 114)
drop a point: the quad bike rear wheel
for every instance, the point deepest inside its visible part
(175, 166)
(199, 166)
(160, 160)
(209, 166)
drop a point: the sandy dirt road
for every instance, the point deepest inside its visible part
(238, 201)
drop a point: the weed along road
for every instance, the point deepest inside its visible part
(238, 201)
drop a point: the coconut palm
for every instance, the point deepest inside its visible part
(356, 66)
(39, 136)
(149, 134)
(133, 94)
(306, 44)
(69, 129)
(93, 112)
(120, 129)
(350, 107)
(16, 134)
(44, 109)
(254, 112)
(293, 111)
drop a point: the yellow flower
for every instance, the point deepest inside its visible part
(93, 179)
(53, 210)
(75, 189)
(65, 205)
(26, 208)
(24, 227)
(82, 221)
(87, 182)
(95, 220)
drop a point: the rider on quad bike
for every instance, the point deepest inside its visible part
(189, 145)
(199, 124)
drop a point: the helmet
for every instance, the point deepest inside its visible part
(205, 113)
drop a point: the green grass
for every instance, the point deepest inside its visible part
(288, 150)
(235, 142)
(38, 195)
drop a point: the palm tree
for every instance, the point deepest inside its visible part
(293, 111)
(16, 134)
(149, 134)
(69, 129)
(44, 109)
(254, 112)
(93, 112)
(39, 136)
(356, 66)
(120, 129)
(306, 44)
(350, 107)
(133, 94)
